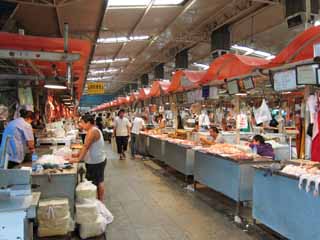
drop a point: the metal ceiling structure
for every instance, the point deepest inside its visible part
(47, 18)
(171, 29)
(146, 36)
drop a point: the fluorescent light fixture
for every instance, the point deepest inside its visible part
(250, 51)
(99, 78)
(133, 3)
(270, 57)
(96, 72)
(203, 66)
(55, 85)
(101, 61)
(241, 94)
(123, 39)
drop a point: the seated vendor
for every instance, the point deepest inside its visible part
(213, 138)
(263, 149)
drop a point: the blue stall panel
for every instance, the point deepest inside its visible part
(279, 204)
(223, 175)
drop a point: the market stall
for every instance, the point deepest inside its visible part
(156, 148)
(180, 156)
(227, 170)
(285, 204)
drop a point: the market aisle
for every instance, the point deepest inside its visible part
(149, 206)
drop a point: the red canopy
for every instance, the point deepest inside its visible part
(134, 96)
(12, 41)
(193, 79)
(232, 65)
(301, 48)
(144, 93)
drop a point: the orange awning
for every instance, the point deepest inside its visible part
(230, 66)
(193, 79)
(144, 93)
(22, 42)
(301, 48)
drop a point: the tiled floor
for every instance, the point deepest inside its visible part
(150, 204)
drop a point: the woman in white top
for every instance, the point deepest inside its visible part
(93, 154)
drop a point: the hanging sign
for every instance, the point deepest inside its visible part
(242, 121)
(95, 88)
(316, 50)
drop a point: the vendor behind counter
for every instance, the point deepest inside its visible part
(21, 138)
(214, 137)
(262, 148)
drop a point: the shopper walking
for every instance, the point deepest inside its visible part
(92, 153)
(122, 132)
(137, 126)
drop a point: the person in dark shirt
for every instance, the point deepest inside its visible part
(263, 149)
(37, 122)
(99, 122)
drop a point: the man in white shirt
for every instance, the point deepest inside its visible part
(215, 137)
(122, 132)
(204, 121)
(137, 126)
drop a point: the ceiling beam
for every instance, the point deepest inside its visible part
(268, 1)
(136, 25)
(38, 55)
(205, 23)
(66, 3)
(155, 38)
(58, 17)
(10, 17)
(35, 3)
(96, 35)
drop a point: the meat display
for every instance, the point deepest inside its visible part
(225, 150)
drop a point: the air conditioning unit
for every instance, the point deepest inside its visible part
(219, 52)
(296, 12)
(299, 19)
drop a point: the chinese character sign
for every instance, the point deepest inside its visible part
(96, 88)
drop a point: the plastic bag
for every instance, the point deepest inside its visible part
(51, 159)
(54, 218)
(64, 152)
(86, 190)
(86, 212)
(262, 114)
(104, 212)
(50, 209)
(93, 229)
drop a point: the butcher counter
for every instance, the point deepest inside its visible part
(279, 204)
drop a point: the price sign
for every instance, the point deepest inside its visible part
(285, 81)
(307, 74)
(233, 87)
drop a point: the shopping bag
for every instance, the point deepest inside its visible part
(262, 114)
